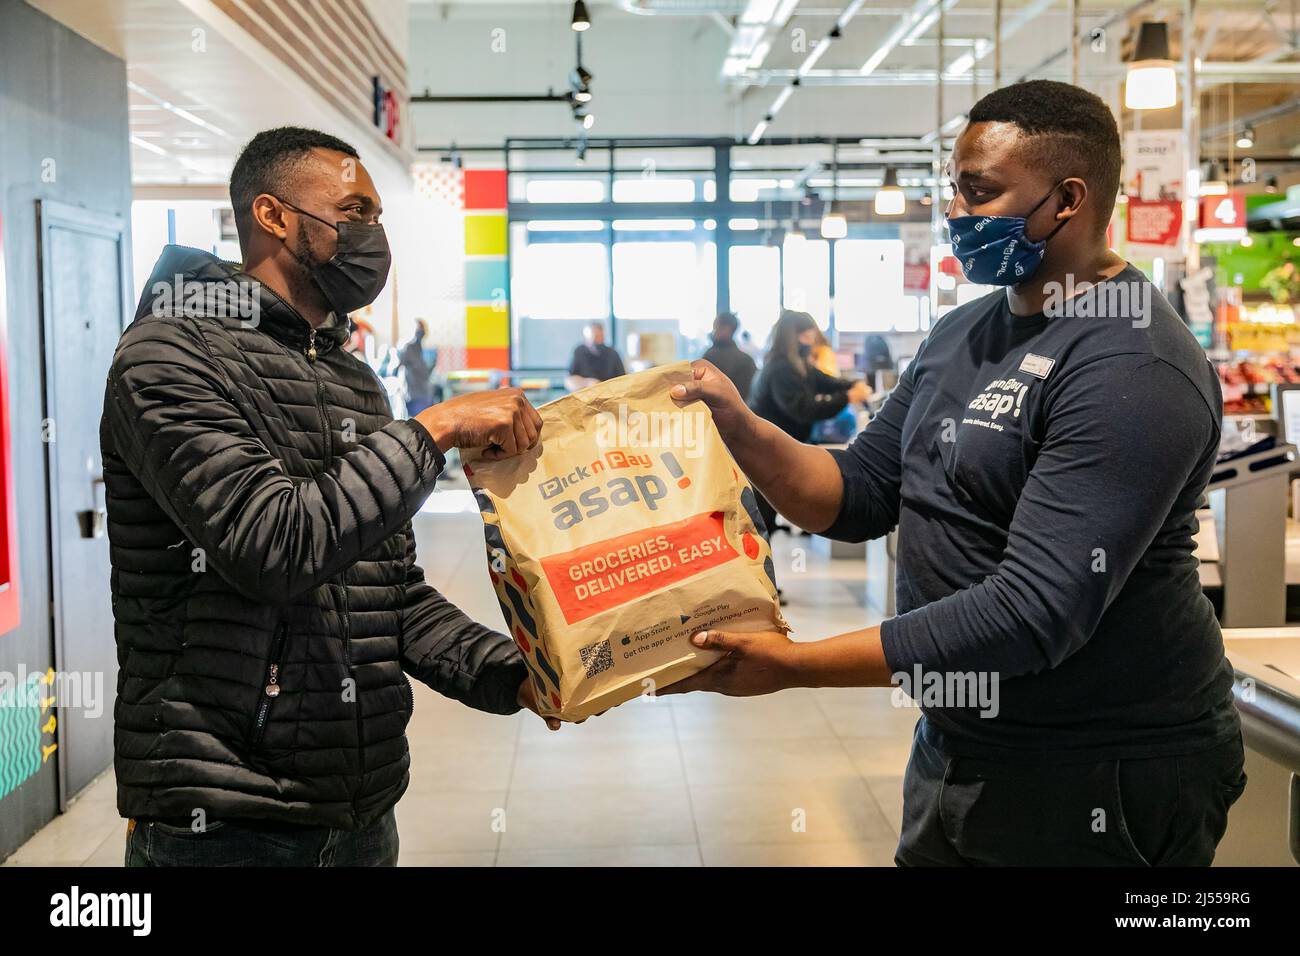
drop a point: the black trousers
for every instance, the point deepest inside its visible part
(1159, 811)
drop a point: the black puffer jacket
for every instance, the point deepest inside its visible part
(259, 505)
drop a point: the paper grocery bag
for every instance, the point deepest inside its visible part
(627, 529)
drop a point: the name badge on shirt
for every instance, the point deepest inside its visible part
(1038, 366)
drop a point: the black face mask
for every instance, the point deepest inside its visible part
(804, 350)
(357, 273)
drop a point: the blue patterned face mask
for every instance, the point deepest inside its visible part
(994, 250)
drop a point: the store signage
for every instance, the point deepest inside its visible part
(1153, 164)
(1223, 212)
(1154, 222)
(385, 109)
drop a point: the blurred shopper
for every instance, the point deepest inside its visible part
(593, 361)
(267, 599)
(416, 373)
(726, 354)
(793, 394)
(1042, 459)
(790, 391)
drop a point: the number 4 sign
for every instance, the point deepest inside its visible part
(1223, 212)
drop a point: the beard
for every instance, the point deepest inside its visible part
(302, 287)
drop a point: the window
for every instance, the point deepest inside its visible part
(807, 277)
(869, 287)
(664, 280)
(561, 280)
(756, 289)
(654, 189)
(564, 190)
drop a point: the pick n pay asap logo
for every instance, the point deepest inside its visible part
(619, 491)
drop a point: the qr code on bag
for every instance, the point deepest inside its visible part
(596, 658)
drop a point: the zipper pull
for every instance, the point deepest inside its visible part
(311, 345)
(273, 685)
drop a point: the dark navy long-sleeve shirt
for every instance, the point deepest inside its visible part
(1043, 474)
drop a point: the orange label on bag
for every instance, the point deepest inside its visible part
(603, 575)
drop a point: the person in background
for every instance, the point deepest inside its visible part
(726, 354)
(416, 371)
(790, 391)
(593, 361)
(793, 394)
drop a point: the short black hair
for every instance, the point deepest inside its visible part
(727, 320)
(1073, 133)
(268, 164)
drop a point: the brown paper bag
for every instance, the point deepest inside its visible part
(627, 529)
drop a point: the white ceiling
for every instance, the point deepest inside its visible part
(199, 90)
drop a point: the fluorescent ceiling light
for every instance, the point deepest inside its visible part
(137, 141)
(653, 225)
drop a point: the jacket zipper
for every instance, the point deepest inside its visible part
(346, 622)
(321, 413)
(345, 617)
(272, 689)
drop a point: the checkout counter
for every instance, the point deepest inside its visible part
(1264, 825)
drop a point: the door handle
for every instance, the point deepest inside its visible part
(94, 521)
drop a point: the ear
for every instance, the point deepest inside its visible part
(1072, 193)
(268, 215)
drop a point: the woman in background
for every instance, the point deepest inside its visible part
(792, 393)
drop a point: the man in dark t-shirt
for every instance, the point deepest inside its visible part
(1042, 459)
(593, 361)
(727, 356)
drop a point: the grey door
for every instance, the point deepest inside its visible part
(83, 264)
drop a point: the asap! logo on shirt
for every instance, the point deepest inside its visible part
(1001, 400)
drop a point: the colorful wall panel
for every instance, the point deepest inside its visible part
(487, 289)
(469, 319)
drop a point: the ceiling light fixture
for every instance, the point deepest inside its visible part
(890, 198)
(1151, 83)
(581, 20)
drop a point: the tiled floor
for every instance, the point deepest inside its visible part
(803, 777)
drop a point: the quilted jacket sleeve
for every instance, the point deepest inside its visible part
(272, 537)
(455, 656)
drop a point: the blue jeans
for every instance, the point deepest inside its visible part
(230, 843)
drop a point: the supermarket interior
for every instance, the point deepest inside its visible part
(905, 445)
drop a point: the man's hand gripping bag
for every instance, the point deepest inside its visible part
(627, 529)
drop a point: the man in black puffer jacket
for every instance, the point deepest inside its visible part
(267, 601)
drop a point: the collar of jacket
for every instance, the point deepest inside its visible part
(276, 317)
